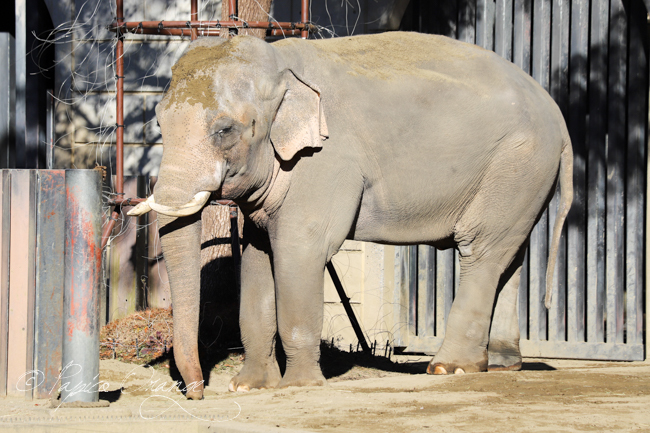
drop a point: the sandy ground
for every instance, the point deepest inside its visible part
(547, 396)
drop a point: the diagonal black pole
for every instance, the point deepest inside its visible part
(348, 308)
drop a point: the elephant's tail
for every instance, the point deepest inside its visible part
(566, 198)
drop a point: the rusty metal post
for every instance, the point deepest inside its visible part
(49, 260)
(304, 16)
(194, 16)
(232, 9)
(83, 257)
(119, 67)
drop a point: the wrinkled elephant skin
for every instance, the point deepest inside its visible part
(397, 138)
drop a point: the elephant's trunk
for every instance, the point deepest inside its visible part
(181, 245)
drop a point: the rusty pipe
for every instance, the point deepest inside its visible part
(304, 16)
(232, 9)
(136, 26)
(119, 66)
(194, 16)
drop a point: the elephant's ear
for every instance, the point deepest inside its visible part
(299, 121)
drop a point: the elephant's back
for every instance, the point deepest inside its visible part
(399, 55)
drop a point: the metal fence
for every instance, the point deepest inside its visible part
(592, 57)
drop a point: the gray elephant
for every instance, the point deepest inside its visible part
(397, 138)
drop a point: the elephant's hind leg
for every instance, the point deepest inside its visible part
(482, 264)
(503, 347)
(257, 318)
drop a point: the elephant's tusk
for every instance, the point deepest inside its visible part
(141, 208)
(189, 208)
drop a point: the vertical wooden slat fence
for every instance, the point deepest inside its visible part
(591, 56)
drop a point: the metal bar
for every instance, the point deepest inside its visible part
(141, 263)
(48, 311)
(135, 26)
(485, 24)
(444, 288)
(234, 243)
(538, 251)
(304, 16)
(51, 131)
(232, 9)
(194, 16)
(549, 349)
(82, 278)
(413, 288)
(7, 108)
(616, 147)
(426, 291)
(559, 89)
(636, 176)
(467, 21)
(596, 142)
(503, 29)
(108, 227)
(521, 44)
(522, 299)
(522, 34)
(594, 351)
(5, 222)
(119, 67)
(400, 312)
(576, 273)
(348, 308)
(21, 292)
(21, 83)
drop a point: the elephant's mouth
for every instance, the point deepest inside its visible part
(191, 207)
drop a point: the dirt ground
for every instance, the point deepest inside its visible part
(547, 396)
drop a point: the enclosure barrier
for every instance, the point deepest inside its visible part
(50, 220)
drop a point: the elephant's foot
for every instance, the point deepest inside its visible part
(254, 376)
(194, 394)
(302, 377)
(469, 363)
(504, 357)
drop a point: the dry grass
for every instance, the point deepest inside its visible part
(141, 337)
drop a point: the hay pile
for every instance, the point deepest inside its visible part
(141, 337)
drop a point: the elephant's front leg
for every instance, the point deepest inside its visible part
(299, 290)
(257, 316)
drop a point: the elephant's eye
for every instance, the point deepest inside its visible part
(223, 131)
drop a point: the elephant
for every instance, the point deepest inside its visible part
(396, 138)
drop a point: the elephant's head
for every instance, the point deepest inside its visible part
(234, 108)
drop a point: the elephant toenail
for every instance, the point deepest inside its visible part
(459, 371)
(439, 369)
